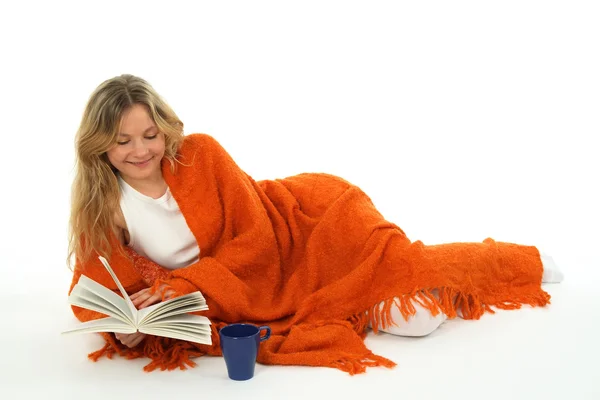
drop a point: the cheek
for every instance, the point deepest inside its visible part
(158, 148)
(115, 156)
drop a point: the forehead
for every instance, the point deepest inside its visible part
(136, 121)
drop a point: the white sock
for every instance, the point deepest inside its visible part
(552, 274)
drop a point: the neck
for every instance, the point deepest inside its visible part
(153, 186)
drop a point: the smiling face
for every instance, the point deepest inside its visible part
(140, 146)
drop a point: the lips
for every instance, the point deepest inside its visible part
(140, 162)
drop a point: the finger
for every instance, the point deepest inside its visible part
(122, 337)
(137, 340)
(137, 294)
(169, 294)
(151, 300)
(128, 341)
(141, 299)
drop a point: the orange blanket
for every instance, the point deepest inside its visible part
(310, 256)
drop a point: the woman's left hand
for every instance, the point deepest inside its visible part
(144, 298)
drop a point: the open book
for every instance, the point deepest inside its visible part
(169, 318)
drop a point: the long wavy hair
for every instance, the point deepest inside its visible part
(95, 191)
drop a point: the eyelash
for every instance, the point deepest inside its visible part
(148, 137)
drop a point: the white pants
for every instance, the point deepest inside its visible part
(421, 323)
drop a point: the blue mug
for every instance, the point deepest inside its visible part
(239, 344)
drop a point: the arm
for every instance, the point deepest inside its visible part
(246, 239)
(93, 268)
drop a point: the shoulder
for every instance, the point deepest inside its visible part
(121, 225)
(202, 144)
(119, 219)
(199, 141)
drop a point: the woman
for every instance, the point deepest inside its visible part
(309, 255)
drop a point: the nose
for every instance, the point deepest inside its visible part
(140, 149)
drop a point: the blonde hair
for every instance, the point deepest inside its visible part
(95, 191)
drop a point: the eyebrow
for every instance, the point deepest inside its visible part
(146, 131)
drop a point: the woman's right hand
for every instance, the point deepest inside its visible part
(130, 339)
(140, 300)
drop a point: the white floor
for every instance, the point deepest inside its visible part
(461, 119)
(550, 353)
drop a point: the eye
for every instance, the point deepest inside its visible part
(152, 137)
(122, 143)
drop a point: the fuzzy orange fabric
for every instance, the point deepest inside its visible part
(310, 256)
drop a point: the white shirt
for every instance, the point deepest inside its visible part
(157, 229)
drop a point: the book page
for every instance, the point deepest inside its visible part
(190, 328)
(93, 291)
(186, 319)
(195, 328)
(180, 305)
(82, 297)
(130, 305)
(196, 337)
(108, 324)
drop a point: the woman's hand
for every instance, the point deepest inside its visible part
(130, 340)
(144, 298)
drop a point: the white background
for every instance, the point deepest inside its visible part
(462, 120)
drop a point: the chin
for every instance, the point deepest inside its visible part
(139, 174)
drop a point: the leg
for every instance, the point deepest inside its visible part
(422, 323)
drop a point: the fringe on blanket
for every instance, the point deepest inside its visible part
(165, 353)
(170, 354)
(446, 300)
(354, 367)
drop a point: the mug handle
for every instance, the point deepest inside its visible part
(267, 335)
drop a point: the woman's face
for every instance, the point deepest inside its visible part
(140, 147)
